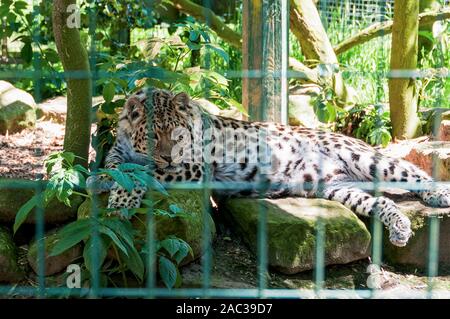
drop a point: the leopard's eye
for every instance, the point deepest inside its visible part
(134, 115)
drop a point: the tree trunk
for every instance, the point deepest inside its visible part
(402, 88)
(262, 55)
(74, 58)
(316, 47)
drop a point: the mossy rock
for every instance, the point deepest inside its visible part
(291, 231)
(9, 268)
(17, 109)
(52, 264)
(190, 229)
(12, 199)
(415, 253)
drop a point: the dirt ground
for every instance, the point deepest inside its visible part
(22, 154)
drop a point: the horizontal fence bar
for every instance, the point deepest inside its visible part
(230, 293)
(368, 186)
(252, 74)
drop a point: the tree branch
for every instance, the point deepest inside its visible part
(232, 37)
(207, 15)
(383, 28)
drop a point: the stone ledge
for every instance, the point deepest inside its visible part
(291, 231)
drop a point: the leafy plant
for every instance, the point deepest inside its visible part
(115, 233)
(375, 127)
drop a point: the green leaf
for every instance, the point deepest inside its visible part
(25, 210)
(121, 178)
(107, 231)
(109, 90)
(122, 228)
(219, 51)
(175, 209)
(194, 35)
(134, 262)
(102, 250)
(183, 251)
(168, 272)
(71, 235)
(171, 245)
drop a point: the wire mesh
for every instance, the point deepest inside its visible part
(349, 12)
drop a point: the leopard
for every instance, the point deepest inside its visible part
(185, 143)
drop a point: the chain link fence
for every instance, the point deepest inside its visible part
(345, 11)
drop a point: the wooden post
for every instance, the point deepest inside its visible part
(263, 60)
(402, 88)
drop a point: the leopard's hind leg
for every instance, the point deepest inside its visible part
(365, 204)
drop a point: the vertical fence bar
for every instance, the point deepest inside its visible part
(150, 220)
(434, 221)
(206, 236)
(40, 241)
(284, 62)
(95, 204)
(39, 210)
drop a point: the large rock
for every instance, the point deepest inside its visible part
(11, 199)
(415, 253)
(444, 131)
(52, 264)
(424, 153)
(301, 109)
(190, 229)
(291, 230)
(54, 109)
(17, 109)
(9, 268)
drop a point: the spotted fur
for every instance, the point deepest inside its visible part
(302, 162)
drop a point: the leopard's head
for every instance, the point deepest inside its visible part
(166, 118)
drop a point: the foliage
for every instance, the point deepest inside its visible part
(31, 28)
(114, 232)
(375, 127)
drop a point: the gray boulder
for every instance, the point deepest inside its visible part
(17, 109)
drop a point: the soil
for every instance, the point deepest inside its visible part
(22, 154)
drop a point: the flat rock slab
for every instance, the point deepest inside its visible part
(291, 231)
(416, 252)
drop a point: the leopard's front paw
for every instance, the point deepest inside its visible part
(98, 184)
(400, 231)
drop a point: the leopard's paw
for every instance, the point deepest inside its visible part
(400, 231)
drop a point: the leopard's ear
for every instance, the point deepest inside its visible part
(181, 101)
(133, 103)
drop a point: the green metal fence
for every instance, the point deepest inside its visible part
(151, 290)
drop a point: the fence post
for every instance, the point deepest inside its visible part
(264, 41)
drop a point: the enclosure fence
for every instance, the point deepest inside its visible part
(276, 80)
